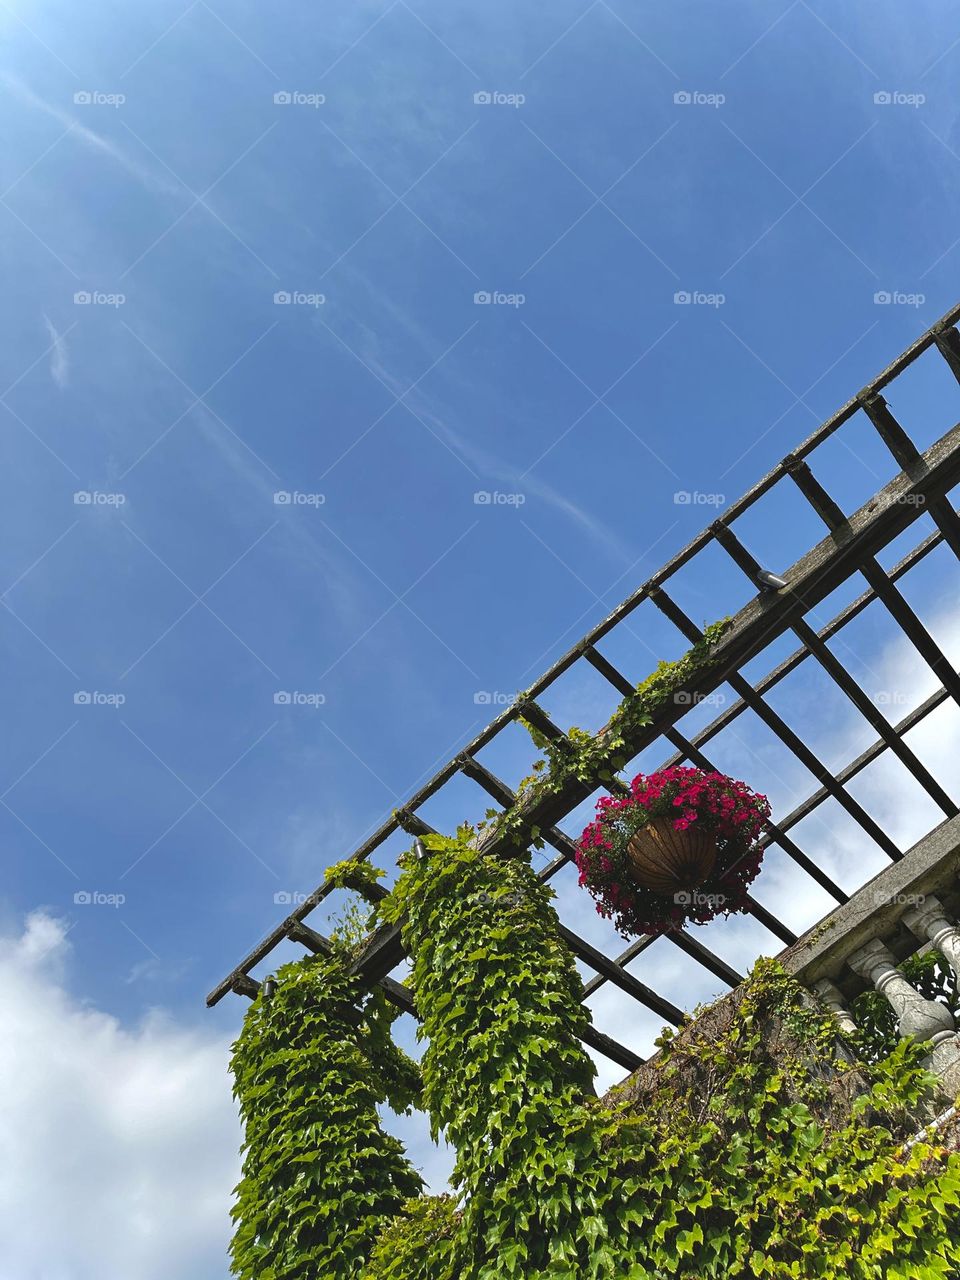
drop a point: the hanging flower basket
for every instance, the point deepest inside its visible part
(667, 860)
(682, 846)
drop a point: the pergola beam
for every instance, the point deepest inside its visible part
(850, 547)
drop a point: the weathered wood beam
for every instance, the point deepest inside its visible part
(934, 472)
(402, 997)
(811, 579)
(766, 617)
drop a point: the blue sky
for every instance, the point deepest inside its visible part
(169, 170)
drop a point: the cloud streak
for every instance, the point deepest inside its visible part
(89, 138)
(59, 360)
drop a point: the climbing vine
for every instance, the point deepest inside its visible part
(754, 1145)
(319, 1174)
(751, 1146)
(593, 759)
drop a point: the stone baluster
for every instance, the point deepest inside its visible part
(833, 1000)
(931, 924)
(925, 1020)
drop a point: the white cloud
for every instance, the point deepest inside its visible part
(126, 1138)
(118, 1145)
(94, 141)
(59, 361)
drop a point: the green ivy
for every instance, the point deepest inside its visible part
(595, 759)
(756, 1144)
(358, 874)
(505, 1076)
(752, 1147)
(319, 1174)
(352, 927)
(417, 1244)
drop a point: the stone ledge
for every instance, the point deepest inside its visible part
(875, 911)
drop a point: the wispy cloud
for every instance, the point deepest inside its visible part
(59, 360)
(148, 177)
(485, 464)
(436, 416)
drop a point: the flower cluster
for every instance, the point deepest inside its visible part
(688, 797)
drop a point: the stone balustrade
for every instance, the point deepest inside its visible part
(913, 905)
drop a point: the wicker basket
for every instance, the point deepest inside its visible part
(667, 861)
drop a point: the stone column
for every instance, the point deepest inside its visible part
(923, 1019)
(833, 1000)
(931, 924)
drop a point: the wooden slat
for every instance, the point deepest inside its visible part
(816, 798)
(788, 737)
(620, 977)
(826, 632)
(820, 571)
(845, 682)
(402, 997)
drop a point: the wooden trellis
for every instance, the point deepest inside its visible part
(851, 545)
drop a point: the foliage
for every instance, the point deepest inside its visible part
(357, 874)
(353, 925)
(876, 1022)
(319, 1174)
(351, 928)
(687, 797)
(744, 1150)
(505, 1076)
(416, 1245)
(752, 1146)
(595, 759)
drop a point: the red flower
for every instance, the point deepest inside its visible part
(708, 800)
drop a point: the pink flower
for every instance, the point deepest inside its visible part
(687, 796)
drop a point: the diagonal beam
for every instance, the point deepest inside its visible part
(930, 477)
